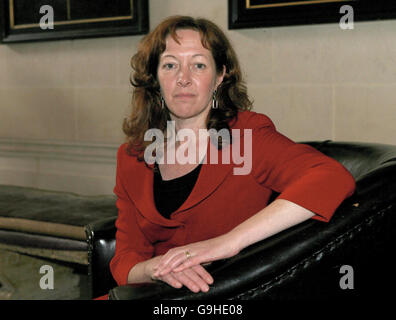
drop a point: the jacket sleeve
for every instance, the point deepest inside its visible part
(300, 173)
(132, 246)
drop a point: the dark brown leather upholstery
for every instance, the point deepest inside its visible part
(302, 262)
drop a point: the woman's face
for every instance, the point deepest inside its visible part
(187, 76)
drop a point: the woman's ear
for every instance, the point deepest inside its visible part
(220, 77)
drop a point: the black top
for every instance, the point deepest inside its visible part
(169, 195)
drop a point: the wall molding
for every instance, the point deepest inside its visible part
(104, 153)
(78, 167)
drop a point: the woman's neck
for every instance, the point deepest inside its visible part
(193, 124)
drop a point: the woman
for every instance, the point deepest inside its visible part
(174, 215)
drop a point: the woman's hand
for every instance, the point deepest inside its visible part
(194, 254)
(195, 278)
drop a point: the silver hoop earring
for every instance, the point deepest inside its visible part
(215, 104)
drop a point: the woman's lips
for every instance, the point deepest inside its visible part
(184, 95)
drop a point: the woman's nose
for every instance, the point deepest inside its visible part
(184, 78)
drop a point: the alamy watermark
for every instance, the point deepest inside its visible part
(347, 280)
(47, 20)
(47, 280)
(193, 147)
(346, 21)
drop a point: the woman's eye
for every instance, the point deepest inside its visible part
(200, 66)
(168, 66)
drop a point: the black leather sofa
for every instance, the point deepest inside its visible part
(303, 262)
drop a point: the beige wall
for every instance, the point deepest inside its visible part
(62, 102)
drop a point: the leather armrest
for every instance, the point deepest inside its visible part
(295, 260)
(101, 248)
(104, 228)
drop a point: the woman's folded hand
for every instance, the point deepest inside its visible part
(195, 278)
(195, 254)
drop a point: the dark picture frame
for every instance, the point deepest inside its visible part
(73, 19)
(272, 13)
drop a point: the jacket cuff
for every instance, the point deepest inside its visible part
(120, 268)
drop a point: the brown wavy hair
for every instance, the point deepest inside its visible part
(147, 112)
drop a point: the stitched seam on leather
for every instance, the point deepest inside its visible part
(314, 258)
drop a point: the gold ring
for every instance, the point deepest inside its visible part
(188, 255)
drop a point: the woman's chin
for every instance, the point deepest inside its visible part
(183, 114)
(186, 113)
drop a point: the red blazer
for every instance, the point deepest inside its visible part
(220, 200)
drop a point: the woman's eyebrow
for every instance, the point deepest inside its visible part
(199, 55)
(168, 56)
(172, 56)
